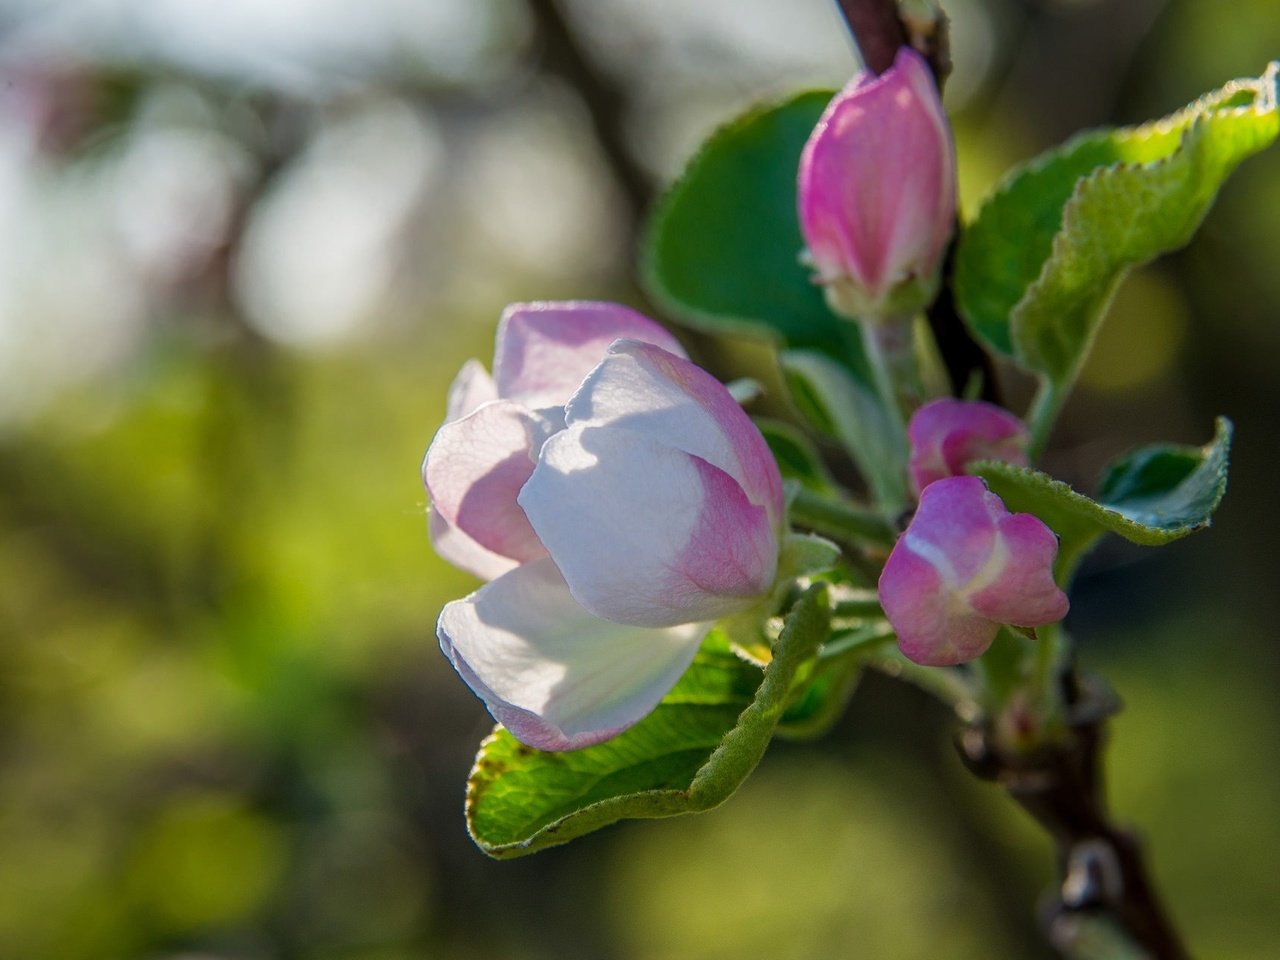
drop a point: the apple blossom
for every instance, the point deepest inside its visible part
(877, 192)
(494, 425)
(650, 509)
(947, 434)
(964, 567)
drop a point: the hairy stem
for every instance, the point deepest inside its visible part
(840, 520)
(1040, 418)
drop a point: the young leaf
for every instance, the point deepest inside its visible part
(1151, 496)
(689, 755)
(722, 250)
(846, 406)
(1036, 269)
(797, 458)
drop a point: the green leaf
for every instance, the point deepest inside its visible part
(821, 701)
(1151, 496)
(846, 406)
(797, 457)
(689, 755)
(721, 252)
(804, 554)
(1037, 268)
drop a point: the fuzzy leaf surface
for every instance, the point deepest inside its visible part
(689, 755)
(722, 250)
(1151, 496)
(1036, 269)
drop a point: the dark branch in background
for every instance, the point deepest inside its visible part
(878, 30)
(964, 359)
(1103, 879)
(563, 55)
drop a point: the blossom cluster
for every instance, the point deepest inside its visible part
(965, 565)
(619, 502)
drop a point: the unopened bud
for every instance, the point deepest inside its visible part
(877, 194)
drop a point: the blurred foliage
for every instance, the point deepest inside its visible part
(241, 255)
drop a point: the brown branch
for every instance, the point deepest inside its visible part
(960, 353)
(877, 30)
(1102, 873)
(564, 55)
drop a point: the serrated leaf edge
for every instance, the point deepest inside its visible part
(725, 769)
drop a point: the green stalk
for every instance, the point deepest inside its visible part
(840, 520)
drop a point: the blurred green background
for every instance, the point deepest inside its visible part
(243, 249)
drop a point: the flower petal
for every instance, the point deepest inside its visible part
(470, 388)
(551, 673)
(933, 630)
(453, 545)
(544, 350)
(647, 534)
(645, 390)
(1025, 593)
(964, 566)
(474, 469)
(946, 435)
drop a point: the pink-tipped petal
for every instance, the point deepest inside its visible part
(645, 533)
(932, 630)
(947, 435)
(1024, 594)
(471, 388)
(877, 187)
(457, 548)
(474, 470)
(648, 391)
(964, 567)
(544, 350)
(551, 673)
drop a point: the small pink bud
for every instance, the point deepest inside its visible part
(964, 567)
(877, 194)
(947, 435)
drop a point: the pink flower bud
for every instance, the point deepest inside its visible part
(947, 435)
(964, 567)
(877, 194)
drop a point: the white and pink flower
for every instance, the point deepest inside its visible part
(621, 501)
(964, 567)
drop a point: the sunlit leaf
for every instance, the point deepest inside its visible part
(690, 754)
(1037, 268)
(722, 250)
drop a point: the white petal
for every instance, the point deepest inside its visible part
(551, 673)
(647, 390)
(470, 388)
(544, 349)
(474, 469)
(463, 552)
(647, 534)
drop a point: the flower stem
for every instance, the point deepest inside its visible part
(890, 344)
(840, 520)
(1044, 410)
